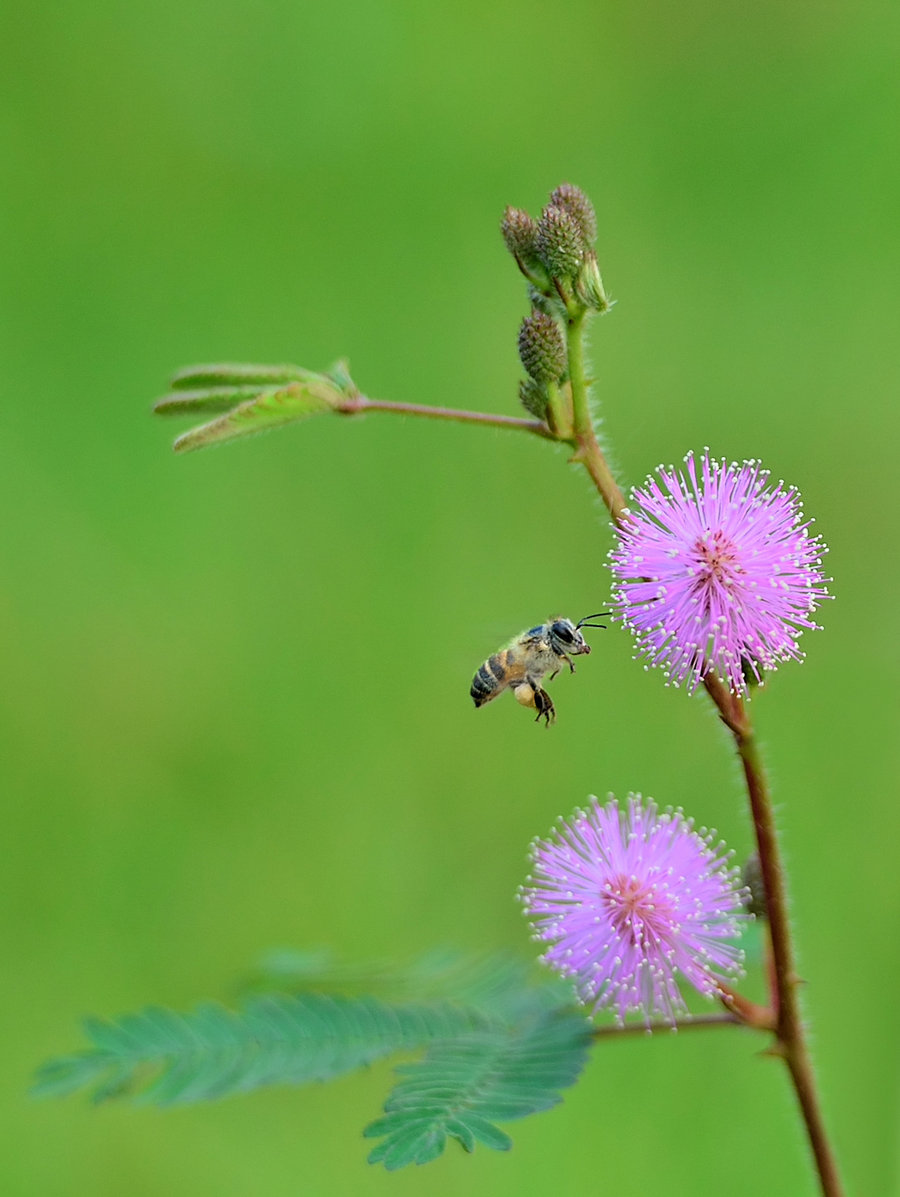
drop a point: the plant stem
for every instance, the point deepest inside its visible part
(359, 404)
(784, 1018)
(686, 1023)
(587, 448)
(789, 1031)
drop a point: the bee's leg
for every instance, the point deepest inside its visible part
(544, 704)
(569, 662)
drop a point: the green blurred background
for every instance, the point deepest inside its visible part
(235, 709)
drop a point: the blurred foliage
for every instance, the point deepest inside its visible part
(499, 1049)
(235, 710)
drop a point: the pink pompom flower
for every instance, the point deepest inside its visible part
(628, 899)
(717, 572)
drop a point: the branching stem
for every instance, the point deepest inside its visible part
(360, 403)
(783, 1018)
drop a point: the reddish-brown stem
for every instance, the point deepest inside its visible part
(360, 404)
(761, 1018)
(783, 1016)
(687, 1023)
(789, 1031)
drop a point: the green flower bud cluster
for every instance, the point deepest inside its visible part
(556, 255)
(556, 252)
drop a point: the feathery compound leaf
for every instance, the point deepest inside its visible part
(269, 409)
(211, 1052)
(495, 983)
(463, 1085)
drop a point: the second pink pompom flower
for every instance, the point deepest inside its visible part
(629, 900)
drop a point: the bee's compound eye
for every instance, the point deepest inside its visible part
(563, 631)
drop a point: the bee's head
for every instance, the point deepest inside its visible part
(566, 637)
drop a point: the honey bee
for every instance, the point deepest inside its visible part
(524, 663)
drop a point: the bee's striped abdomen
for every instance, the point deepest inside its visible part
(489, 680)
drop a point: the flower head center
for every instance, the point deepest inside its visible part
(717, 559)
(638, 912)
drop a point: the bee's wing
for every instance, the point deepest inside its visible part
(533, 639)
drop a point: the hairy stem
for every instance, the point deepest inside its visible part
(784, 1018)
(587, 448)
(790, 1034)
(359, 404)
(686, 1023)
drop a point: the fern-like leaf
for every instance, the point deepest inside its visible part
(171, 1058)
(463, 1086)
(495, 983)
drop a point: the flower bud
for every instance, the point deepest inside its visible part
(577, 204)
(520, 233)
(589, 285)
(541, 348)
(560, 245)
(534, 397)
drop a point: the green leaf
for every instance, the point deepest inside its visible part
(269, 409)
(173, 1058)
(495, 983)
(236, 374)
(204, 399)
(464, 1085)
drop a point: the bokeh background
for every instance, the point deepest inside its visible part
(235, 707)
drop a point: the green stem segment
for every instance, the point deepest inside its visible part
(587, 448)
(790, 1037)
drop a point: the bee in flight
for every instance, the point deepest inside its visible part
(524, 663)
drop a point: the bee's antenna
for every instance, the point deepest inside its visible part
(597, 615)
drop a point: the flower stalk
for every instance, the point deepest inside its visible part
(790, 1036)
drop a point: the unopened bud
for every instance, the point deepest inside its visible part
(560, 245)
(577, 204)
(520, 234)
(751, 875)
(541, 348)
(534, 397)
(589, 285)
